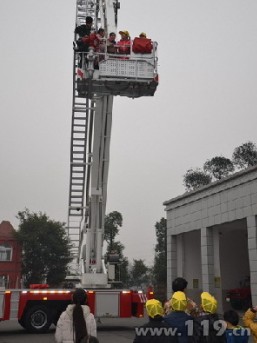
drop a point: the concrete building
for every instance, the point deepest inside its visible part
(212, 237)
(10, 257)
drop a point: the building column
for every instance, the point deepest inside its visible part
(218, 293)
(180, 255)
(171, 262)
(207, 260)
(252, 252)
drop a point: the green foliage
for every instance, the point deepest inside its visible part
(245, 155)
(112, 224)
(122, 271)
(160, 260)
(194, 179)
(139, 273)
(219, 167)
(45, 246)
(116, 247)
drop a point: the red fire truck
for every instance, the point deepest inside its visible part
(39, 307)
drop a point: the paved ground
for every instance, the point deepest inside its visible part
(109, 331)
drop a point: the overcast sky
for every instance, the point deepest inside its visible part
(204, 106)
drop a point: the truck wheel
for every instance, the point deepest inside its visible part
(37, 319)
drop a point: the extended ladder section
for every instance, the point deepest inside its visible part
(94, 85)
(80, 149)
(89, 161)
(80, 159)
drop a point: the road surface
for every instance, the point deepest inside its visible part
(109, 331)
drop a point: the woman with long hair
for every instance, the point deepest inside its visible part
(76, 324)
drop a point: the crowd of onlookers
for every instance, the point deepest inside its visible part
(179, 320)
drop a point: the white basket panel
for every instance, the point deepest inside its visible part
(126, 68)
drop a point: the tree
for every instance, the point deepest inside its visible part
(194, 179)
(138, 274)
(112, 224)
(160, 260)
(45, 248)
(245, 155)
(219, 167)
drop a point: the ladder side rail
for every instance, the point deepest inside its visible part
(95, 192)
(99, 225)
(104, 176)
(89, 160)
(86, 199)
(106, 158)
(74, 227)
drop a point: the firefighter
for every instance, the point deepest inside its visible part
(124, 43)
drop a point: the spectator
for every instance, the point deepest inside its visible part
(249, 322)
(210, 328)
(97, 42)
(179, 320)
(234, 332)
(101, 42)
(150, 334)
(76, 322)
(111, 43)
(180, 284)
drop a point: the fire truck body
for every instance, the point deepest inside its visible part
(36, 309)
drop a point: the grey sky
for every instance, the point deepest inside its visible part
(205, 106)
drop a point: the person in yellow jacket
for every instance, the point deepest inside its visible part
(248, 320)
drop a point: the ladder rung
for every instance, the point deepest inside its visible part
(80, 118)
(80, 110)
(76, 164)
(89, 108)
(80, 125)
(80, 104)
(79, 139)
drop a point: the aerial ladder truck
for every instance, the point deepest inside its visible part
(133, 75)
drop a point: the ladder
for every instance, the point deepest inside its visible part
(80, 148)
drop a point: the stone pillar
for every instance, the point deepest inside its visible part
(180, 255)
(218, 293)
(207, 260)
(252, 251)
(171, 262)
